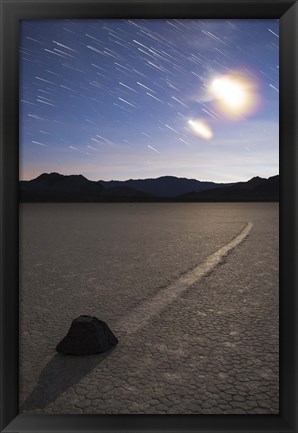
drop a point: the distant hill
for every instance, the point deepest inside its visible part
(256, 189)
(165, 186)
(54, 187)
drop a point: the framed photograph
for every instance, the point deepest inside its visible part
(149, 216)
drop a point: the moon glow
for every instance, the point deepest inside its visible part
(235, 96)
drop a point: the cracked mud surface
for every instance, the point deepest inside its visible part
(212, 350)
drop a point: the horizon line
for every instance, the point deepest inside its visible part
(146, 178)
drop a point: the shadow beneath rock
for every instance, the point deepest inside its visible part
(58, 375)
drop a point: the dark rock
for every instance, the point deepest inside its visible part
(87, 335)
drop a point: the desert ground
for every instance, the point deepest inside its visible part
(190, 290)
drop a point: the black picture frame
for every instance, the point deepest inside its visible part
(14, 10)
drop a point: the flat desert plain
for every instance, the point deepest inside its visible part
(190, 290)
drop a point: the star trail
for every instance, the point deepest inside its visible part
(121, 99)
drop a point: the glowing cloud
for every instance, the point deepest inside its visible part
(201, 128)
(235, 95)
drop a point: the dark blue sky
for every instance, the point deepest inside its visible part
(120, 99)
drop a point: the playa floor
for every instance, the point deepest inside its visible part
(195, 307)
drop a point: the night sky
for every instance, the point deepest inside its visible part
(122, 99)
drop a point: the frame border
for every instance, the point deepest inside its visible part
(11, 11)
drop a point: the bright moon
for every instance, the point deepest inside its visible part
(201, 128)
(234, 95)
(231, 92)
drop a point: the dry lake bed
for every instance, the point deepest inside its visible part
(190, 290)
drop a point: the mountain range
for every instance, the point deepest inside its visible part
(55, 187)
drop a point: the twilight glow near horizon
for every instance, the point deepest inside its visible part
(134, 99)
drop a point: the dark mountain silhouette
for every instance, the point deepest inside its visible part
(165, 186)
(256, 189)
(55, 187)
(123, 194)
